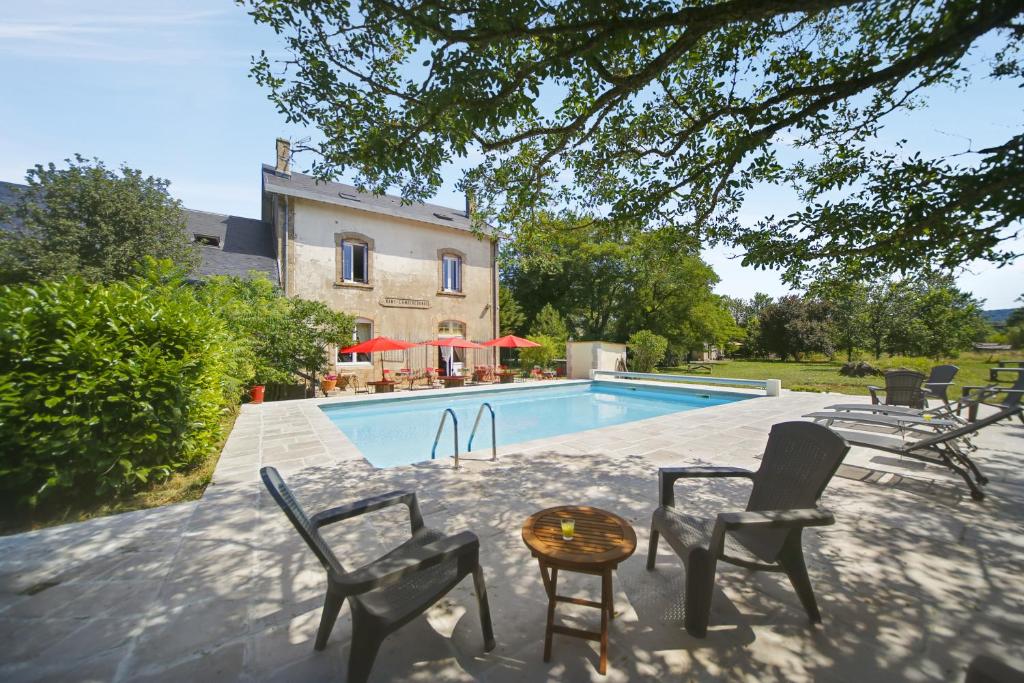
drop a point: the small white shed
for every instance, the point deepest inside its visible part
(584, 356)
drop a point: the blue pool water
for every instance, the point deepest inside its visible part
(401, 432)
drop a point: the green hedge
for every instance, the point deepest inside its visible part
(104, 388)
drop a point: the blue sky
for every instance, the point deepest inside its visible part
(164, 87)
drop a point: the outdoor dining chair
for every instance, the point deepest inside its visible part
(940, 379)
(797, 465)
(391, 591)
(902, 388)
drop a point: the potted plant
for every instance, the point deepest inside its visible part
(328, 383)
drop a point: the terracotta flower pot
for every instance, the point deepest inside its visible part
(327, 385)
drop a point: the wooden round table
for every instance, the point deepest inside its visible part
(602, 540)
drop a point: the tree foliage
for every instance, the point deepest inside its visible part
(540, 356)
(606, 282)
(794, 326)
(658, 114)
(283, 337)
(510, 314)
(647, 350)
(107, 387)
(93, 222)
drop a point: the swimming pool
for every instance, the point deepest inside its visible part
(401, 432)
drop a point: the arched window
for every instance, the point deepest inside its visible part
(451, 328)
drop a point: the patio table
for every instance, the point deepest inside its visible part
(601, 541)
(382, 387)
(453, 381)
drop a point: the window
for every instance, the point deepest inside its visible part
(451, 273)
(451, 328)
(354, 261)
(363, 331)
(206, 240)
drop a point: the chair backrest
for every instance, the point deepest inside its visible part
(1013, 398)
(904, 388)
(283, 496)
(939, 378)
(797, 465)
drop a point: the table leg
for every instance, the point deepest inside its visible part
(606, 610)
(551, 585)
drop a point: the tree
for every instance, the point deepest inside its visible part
(794, 326)
(549, 323)
(90, 221)
(1016, 316)
(848, 311)
(947, 320)
(607, 281)
(665, 114)
(648, 350)
(510, 314)
(285, 337)
(540, 356)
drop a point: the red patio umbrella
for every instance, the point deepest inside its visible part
(379, 345)
(455, 343)
(510, 341)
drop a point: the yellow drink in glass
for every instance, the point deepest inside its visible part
(568, 529)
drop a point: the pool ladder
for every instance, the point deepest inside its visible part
(455, 433)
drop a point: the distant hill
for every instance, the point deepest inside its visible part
(998, 316)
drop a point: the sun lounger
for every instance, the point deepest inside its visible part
(904, 423)
(945, 448)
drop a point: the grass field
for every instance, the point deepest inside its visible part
(823, 375)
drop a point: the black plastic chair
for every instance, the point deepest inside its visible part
(940, 379)
(990, 670)
(797, 465)
(392, 590)
(902, 388)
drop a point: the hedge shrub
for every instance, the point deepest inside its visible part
(104, 388)
(648, 349)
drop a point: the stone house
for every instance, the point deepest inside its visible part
(408, 271)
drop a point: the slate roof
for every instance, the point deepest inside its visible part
(244, 244)
(307, 187)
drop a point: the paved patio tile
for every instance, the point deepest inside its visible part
(913, 580)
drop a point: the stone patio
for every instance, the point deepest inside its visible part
(913, 580)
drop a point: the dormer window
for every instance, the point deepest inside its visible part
(451, 273)
(206, 240)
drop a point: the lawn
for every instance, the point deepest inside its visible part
(823, 375)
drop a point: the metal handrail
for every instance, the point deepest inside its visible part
(494, 438)
(440, 427)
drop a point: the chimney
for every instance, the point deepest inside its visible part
(470, 204)
(284, 156)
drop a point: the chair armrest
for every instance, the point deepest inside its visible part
(776, 518)
(390, 570)
(360, 507)
(766, 519)
(667, 477)
(873, 390)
